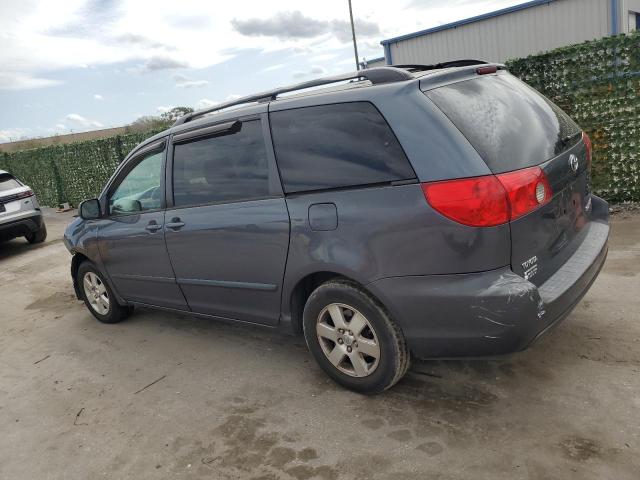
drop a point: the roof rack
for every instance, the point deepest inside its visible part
(376, 76)
(437, 66)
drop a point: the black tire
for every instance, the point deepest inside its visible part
(393, 360)
(115, 313)
(38, 236)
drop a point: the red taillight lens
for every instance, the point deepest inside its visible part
(27, 194)
(526, 189)
(477, 202)
(587, 143)
(490, 200)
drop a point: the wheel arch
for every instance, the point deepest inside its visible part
(77, 260)
(296, 300)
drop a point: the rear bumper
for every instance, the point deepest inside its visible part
(21, 226)
(494, 312)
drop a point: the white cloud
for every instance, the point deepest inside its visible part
(13, 134)
(23, 81)
(163, 63)
(81, 121)
(183, 81)
(163, 108)
(97, 96)
(273, 67)
(316, 70)
(39, 37)
(205, 103)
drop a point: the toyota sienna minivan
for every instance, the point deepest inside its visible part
(425, 211)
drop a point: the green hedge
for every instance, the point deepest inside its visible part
(598, 84)
(72, 172)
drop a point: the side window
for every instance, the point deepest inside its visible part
(329, 146)
(227, 168)
(140, 189)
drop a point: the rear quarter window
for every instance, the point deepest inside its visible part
(339, 145)
(510, 124)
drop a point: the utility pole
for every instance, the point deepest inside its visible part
(353, 33)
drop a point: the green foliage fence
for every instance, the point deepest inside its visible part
(72, 172)
(598, 84)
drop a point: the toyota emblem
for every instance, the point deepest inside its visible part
(573, 163)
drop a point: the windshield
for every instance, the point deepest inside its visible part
(511, 125)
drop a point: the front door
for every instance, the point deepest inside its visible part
(131, 236)
(227, 232)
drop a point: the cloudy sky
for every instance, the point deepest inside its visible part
(77, 65)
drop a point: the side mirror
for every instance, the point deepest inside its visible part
(89, 209)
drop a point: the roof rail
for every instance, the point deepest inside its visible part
(437, 66)
(376, 76)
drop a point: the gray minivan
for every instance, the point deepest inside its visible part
(427, 211)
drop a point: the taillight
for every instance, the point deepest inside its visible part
(587, 143)
(490, 200)
(526, 190)
(477, 202)
(26, 194)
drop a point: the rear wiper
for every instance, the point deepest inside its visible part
(568, 138)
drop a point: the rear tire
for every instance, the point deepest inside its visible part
(98, 296)
(38, 236)
(353, 338)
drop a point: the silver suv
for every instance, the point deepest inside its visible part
(20, 214)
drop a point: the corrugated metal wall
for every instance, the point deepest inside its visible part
(378, 62)
(512, 35)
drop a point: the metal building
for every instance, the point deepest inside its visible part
(529, 28)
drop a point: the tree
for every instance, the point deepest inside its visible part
(175, 113)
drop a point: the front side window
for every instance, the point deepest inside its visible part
(140, 190)
(227, 168)
(339, 145)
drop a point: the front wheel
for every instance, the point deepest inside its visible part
(353, 339)
(98, 297)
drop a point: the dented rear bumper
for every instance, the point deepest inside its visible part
(494, 312)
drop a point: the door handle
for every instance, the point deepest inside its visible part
(175, 224)
(153, 227)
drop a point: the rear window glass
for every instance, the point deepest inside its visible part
(331, 146)
(7, 182)
(510, 125)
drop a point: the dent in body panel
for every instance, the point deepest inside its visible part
(485, 313)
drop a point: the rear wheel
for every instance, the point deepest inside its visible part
(98, 296)
(353, 339)
(38, 236)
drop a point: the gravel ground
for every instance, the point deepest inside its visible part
(169, 396)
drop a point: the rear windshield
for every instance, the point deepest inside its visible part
(7, 182)
(510, 125)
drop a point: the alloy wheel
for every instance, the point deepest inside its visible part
(96, 293)
(348, 340)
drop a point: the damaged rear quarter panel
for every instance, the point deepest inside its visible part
(486, 313)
